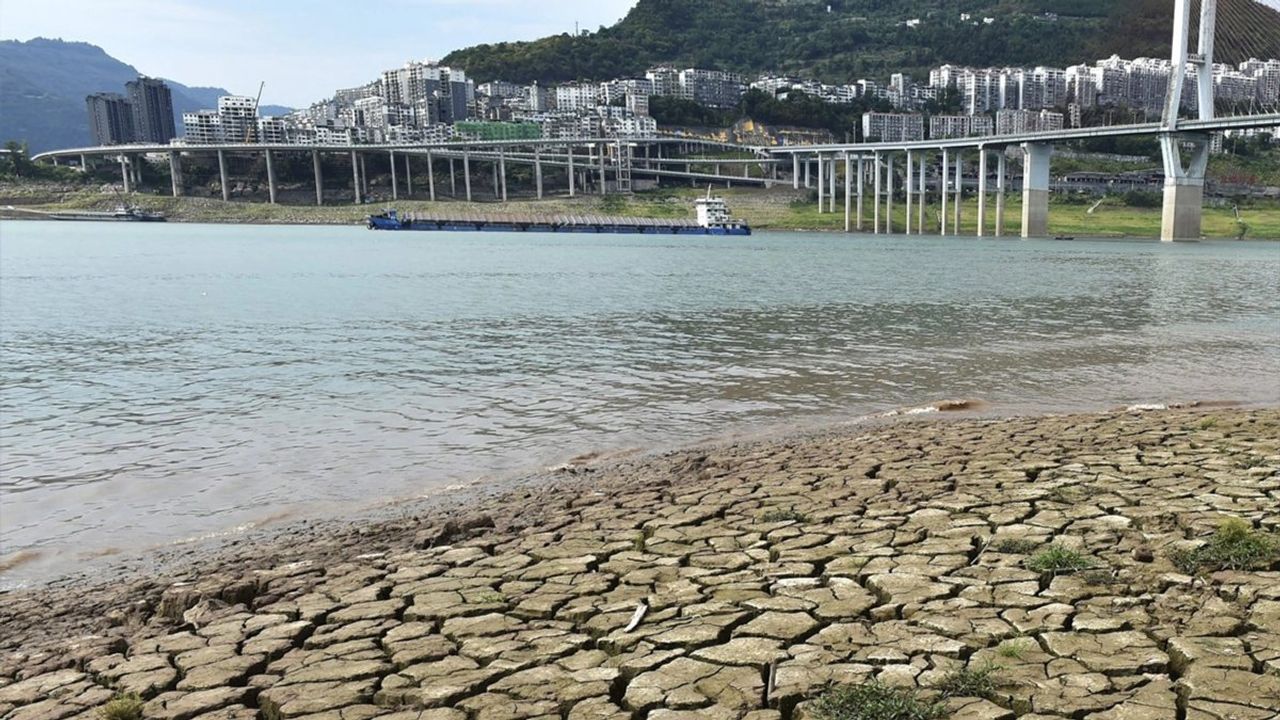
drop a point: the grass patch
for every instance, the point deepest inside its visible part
(1015, 546)
(486, 598)
(1013, 649)
(1236, 545)
(1057, 560)
(1208, 423)
(873, 701)
(779, 515)
(970, 682)
(127, 706)
(1249, 462)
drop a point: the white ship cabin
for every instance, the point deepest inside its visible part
(713, 212)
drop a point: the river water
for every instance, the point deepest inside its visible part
(164, 382)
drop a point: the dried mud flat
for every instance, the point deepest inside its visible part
(1033, 558)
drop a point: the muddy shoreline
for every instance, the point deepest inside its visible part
(752, 556)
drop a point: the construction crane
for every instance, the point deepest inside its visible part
(248, 131)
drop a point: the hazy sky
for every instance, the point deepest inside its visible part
(303, 49)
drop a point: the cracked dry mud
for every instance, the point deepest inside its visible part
(768, 568)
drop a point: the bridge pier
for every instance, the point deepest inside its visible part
(1001, 167)
(364, 175)
(175, 173)
(924, 196)
(315, 165)
(907, 187)
(271, 178)
(453, 179)
(795, 171)
(822, 186)
(355, 177)
(466, 173)
(537, 170)
(982, 191)
(1182, 215)
(959, 192)
(862, 177)
(408, 177)
(431, 178)
(495, 181)
(124, 174)
(502, 171)
(942, 185)
(848, 193)
(876, 193)
(571, 178)
(1035, 189)
(395, 188)
(222, 176)
(603, 187)
(808, 183)
(888, 200)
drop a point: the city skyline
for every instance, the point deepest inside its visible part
(302, 52)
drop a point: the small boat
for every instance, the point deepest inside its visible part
(1064, 237)
(126, 213)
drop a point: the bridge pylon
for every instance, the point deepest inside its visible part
(1184, 183)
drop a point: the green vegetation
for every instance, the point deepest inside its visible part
(1014, 648)
(779, 515)
(126, 706)
(857, 38)
(1057, 559)
(1236, 545)
(970, 682)
(873, 701)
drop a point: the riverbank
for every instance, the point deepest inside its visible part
(1070, 566)
(779, 208)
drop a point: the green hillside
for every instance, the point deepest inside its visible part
(842, 40)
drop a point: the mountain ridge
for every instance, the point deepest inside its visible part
(44, 81)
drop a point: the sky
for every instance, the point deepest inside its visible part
(302, 49)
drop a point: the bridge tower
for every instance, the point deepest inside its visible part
(1184, 182)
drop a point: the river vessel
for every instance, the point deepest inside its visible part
(712, 219)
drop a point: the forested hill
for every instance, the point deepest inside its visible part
(841, 40)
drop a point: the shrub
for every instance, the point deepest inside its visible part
(1234, 546)
(1058, 559)
(778, 515)
(1015, 546)
(970, 682)
(126, 706)
(874, 701)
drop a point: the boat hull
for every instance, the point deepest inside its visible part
(380, 222)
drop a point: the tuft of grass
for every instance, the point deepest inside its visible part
(1249, 462)
(1013, 649)
(1057, 559)
(970, 682)
(1015, 546)
(1236, 545)
(788, 515)
(125, 706)
(874, 701)
(1208, 423)
(487, 598)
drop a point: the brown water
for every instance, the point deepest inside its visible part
(166, 382)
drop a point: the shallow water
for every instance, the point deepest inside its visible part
(161, 382)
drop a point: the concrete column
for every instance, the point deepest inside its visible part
(537, 171)
(1035, 189)
(222, 176)
(395, 187)
(355, 177)
(982, 191)
(888, 200)
(942, 185)
(831, 195)
(1182, 216)
(1001, 166)
(795, 171)
(603, 187)
(955, 230)
(862, 177)
(848, 193)
(408, 177)
(466, 173)
(496, 186)
(84, 163)
(271, 178)
(431, 178)
(315, 163)
(571, 190)
(502, 171)
(808, 183)
(175, 173)
(909, 187)
(364, 175)
(822, 186)
(924, 197)
(453, 179)
(875, 200)
(124, 174)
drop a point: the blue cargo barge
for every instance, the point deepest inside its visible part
(713, 219)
